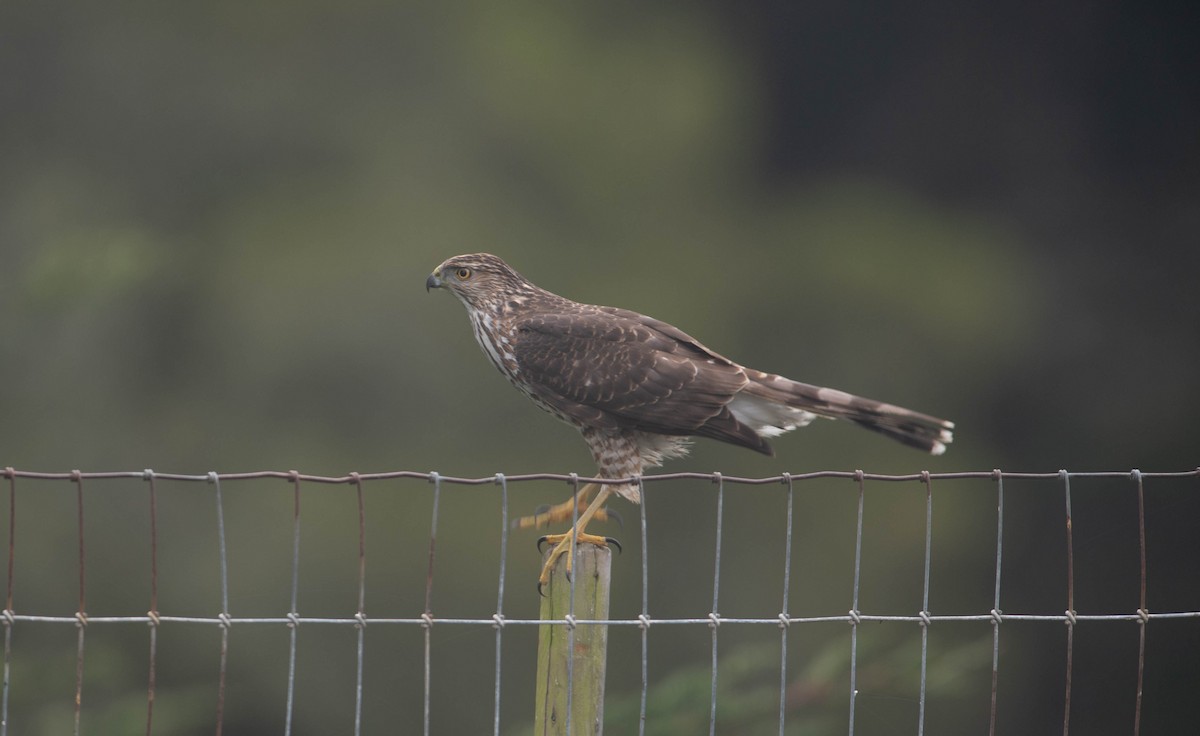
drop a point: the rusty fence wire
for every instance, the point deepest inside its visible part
(21, 482)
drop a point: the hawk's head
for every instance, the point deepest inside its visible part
(479, 280)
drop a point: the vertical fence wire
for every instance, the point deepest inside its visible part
(996, 615)
(81, 615)
(1070, 613)
(498, 618)
(644, 617)
(361, 615)
(714, 617)
(1143, 611)
(8, 598)
(860, 479)
(784, 619)
(427, 616)
(293, 613)
(925, 600)
(574, 557)
(223, 617)
(153, 613)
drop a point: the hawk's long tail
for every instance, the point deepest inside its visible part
(774, 404)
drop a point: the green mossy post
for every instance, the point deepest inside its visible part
(587, 644)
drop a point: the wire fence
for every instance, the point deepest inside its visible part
(784, 619)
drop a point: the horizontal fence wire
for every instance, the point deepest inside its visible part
(497, 620)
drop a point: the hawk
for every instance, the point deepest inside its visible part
(637, 388)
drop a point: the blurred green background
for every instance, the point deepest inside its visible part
(215, 224)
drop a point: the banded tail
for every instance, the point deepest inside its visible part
(772, 405)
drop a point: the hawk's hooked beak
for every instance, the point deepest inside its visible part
(433, 282)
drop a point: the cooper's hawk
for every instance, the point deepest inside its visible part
(637, 388)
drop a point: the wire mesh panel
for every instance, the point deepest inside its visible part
(828, 602)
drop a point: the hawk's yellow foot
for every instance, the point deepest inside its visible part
(570, 509)
(564, 542)
(562, 545)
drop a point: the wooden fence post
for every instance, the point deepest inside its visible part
(576, 694)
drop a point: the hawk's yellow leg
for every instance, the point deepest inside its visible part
(564, 542)
(563, 512)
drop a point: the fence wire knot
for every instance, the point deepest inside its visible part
(498, 621)
(8, 616)
(152, 619)
(293, 620)
(570, 619)
(855, 618)
(224, 620)
(784, 621)
(147, 474)
(714, 620)
(1070, 619)
(81, 619)
(643, 621)
(1143, 616)
(997, 616)
(924, 616)
(360, 620)
(427, 620)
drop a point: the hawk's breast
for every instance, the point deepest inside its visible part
(494, 335)
(495, 342)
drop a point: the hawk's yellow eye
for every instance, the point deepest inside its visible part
(462, 273)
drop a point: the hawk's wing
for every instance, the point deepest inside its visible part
(612, 368)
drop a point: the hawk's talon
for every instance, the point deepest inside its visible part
(542, 540)
(564, 544)
(607, 513)
(614, 543)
